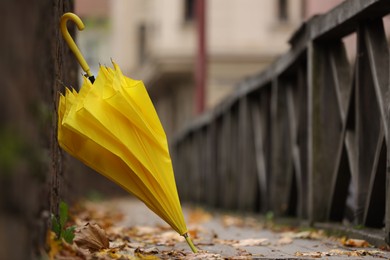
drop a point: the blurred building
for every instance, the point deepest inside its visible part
(94, 40)
(156, 41)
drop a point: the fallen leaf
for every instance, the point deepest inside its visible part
(104, 254)
(338, 252)
(355, 243)
(149, 251)
(72, 252)
(198, 216)
(384, 247)
(53, 243)
(91, 237)
(174, 254)
(302, 234)
(225, 241)
(229, 221)
(362, 252)
(170, 235)
(202, 255)
(135, 245)
(242, 253)
(193, 233)
(285, 241)
(309, 254)
(312, 234)
(251, 242)
(145, 230)
(318, 234)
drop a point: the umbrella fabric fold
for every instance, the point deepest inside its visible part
(112, 126)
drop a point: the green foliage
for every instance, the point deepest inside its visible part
(59, 223)
(55, 226)
(11, 150)
(360, 227)
(94, 195)
(269, 216)
(63, 213)
(16, 150)
(68, 234)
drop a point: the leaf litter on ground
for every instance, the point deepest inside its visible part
(101, 234)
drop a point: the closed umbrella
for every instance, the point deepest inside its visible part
(111, 126)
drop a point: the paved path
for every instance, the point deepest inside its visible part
(227, 236)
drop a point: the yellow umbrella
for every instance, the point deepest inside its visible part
(111, 126)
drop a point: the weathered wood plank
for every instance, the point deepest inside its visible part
(280, 181)
(260, 154)
(248, 182)
(374, 212)
(346, 17)
(368, 123)
(379, 57)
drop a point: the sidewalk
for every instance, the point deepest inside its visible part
(134, 231)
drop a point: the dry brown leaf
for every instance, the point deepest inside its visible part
(284, 241)
(225, 241)
(106, 254)
(175, 254)
(53, 243)
(148, 251)
(193, 233)
(243, 253)
(91, 237)
(251, 242)
(146, 254)
(229, 221)
(318, 234)
(170, 235)
(202, 255)
(309, 254)
(135, 245)
(355, 243)
(305, 234)
(146, 230)
(198, 216)
(72, 252)
(338, 252)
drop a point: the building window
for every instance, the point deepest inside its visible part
(189, 10)
(282, 10)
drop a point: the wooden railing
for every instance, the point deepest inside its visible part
(307, 137)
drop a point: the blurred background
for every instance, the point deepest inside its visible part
(156, 41)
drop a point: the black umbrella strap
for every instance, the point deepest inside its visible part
(92, 79)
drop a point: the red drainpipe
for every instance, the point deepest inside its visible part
(200, 73)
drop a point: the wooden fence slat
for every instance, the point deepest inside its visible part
(368, 123)
(280, 182)
(247, 182)
(261, 168)
(375, 202)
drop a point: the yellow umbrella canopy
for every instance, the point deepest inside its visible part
(111, 126)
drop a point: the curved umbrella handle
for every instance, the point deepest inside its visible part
(69, 40)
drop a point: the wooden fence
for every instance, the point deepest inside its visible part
(309, 136)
